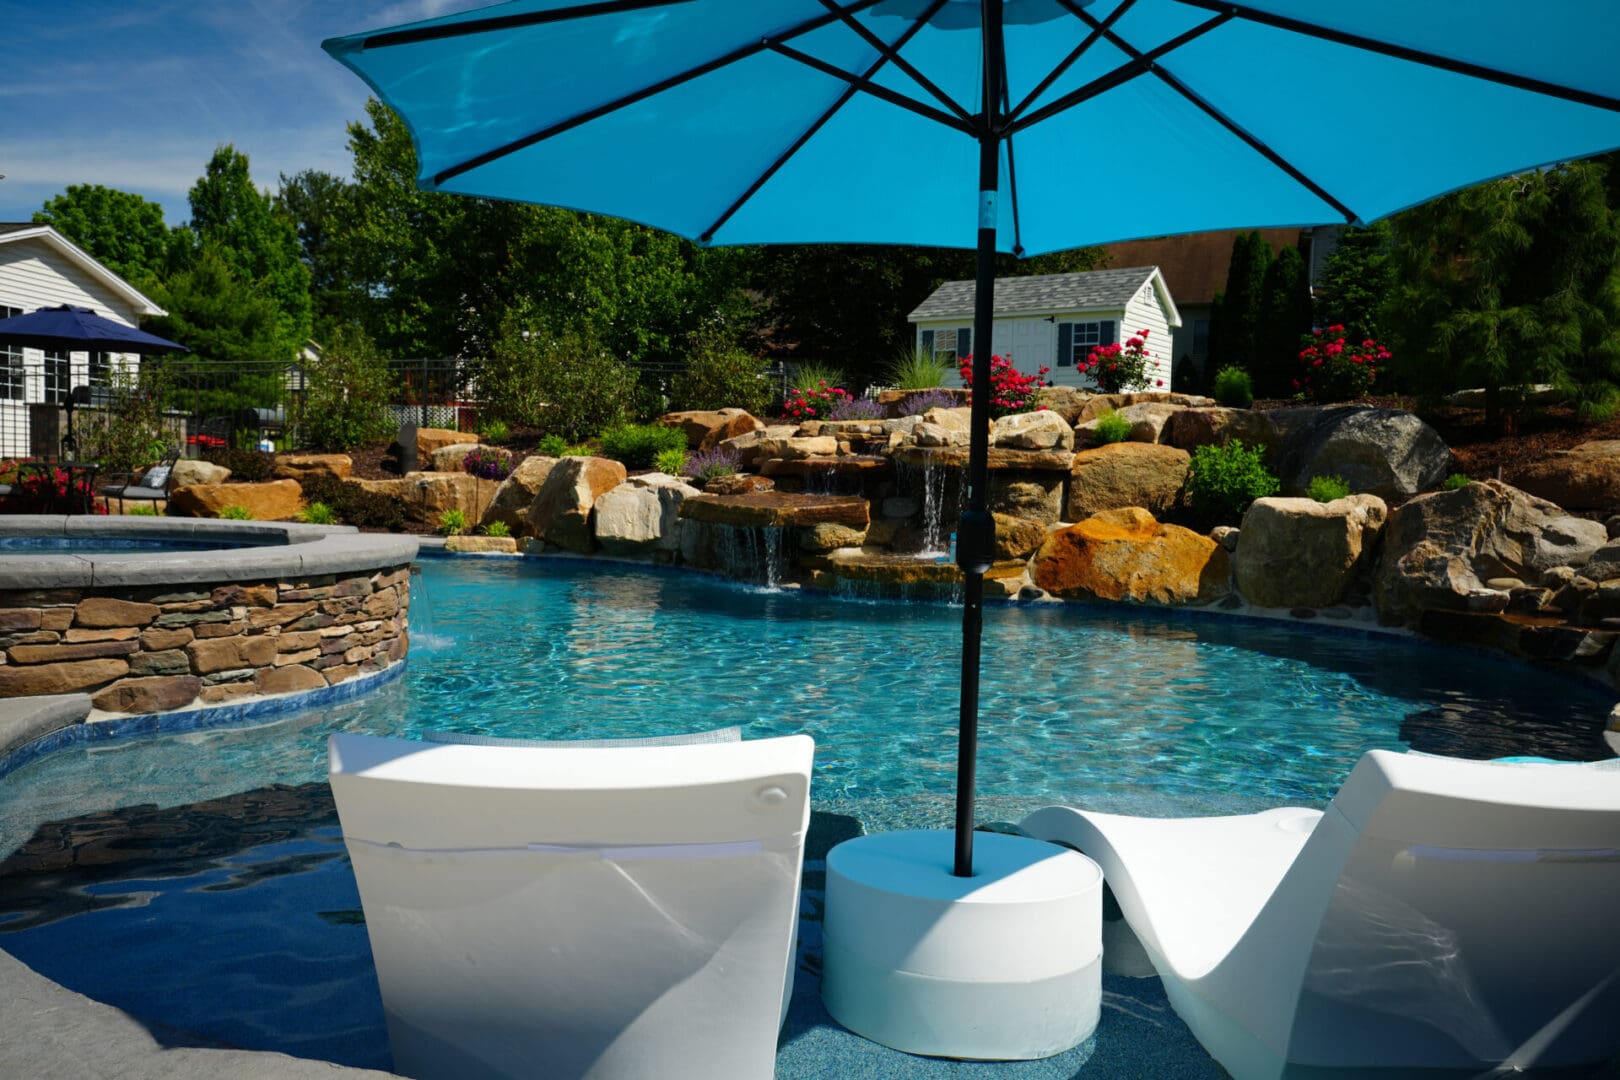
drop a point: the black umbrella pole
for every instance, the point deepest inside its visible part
(976, 531)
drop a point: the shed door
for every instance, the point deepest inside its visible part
(1032, 343)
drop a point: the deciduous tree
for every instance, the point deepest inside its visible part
(121, 230)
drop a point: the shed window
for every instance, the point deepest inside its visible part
(101, 368)
(1076, 340)
(11, 363)
(949, 346)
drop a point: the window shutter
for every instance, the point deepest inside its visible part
(1105, 332)
(964, 342)
(1065, 344)
(928, 342)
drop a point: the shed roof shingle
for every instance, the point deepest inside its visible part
(1089, 291)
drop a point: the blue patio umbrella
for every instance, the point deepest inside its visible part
(75, 328)
(1050, 124)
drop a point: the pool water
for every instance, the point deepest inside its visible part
(200, 881)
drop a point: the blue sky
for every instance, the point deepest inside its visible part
(136, 94)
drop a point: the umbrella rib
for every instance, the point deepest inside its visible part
(900, 62)
(1416, 56)
(742, 53)
(1012, 167)
(1119, 76)
(1255, 142)
(1068, 61)
(821, 121)
(862, 84)
(415, 34)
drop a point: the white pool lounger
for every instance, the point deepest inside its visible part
(602, 912)
(1440, 915)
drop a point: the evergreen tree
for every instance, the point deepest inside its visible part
(1512, 282)
(318, 204)
(1240, 340)
(1285, 318)
(239, 223)
(119, 229)
(1356, 280)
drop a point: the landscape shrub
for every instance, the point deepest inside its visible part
(671, 462)
(318, 513)
(557, 446)
(1118, 367)
(812, 374)
(494, 431)
(353, 504)
(247, 466)
(489, 463)
(637, 446)
(1233, 388)
(1223, 480)
(1326, 489)
(453, 522)
(1112, 428)
(708, 464)
(1599, 403)
(130, 432)
(1336, 370)
(557, 381)
(855, 408)
(816, 403)
(497, 528)
(1456, 480)
(916, 369)
(918, 404)
(235, 512)
(720, 375)
(345, 390)
(1011, 390)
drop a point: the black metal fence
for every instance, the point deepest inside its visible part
(65, 410)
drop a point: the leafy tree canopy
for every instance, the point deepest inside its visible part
(120, 229)
(1356, 280)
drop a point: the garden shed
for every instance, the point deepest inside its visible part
(1052, 320)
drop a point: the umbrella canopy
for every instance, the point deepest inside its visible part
(1081, 121)
(73, 328)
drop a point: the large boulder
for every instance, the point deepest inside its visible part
(188, 472)
(561, 511)
(427, 495)
(430, 441)
(269, 501)
(1217, 425)
(794, 449)
(705, 429)
(449, 458)
(747, 446)
(304, 466)
(1148, 420)
(1127, 555)
(1383, 452)
(1441, 549)
(1302, 553)
(1032, 431)
(1584, 478)
(511, 500)
(1017, 538)
(1125, 474)
(1026, 493)
(642, 515)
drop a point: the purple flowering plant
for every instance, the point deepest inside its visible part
(708, 464)
(489, 463)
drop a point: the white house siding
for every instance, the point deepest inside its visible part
(35, 275)
(1033, 341)
(1144, 312)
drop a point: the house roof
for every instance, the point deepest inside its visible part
(1095, 290)
(12, 231)
(1194, 265)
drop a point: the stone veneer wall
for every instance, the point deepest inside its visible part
(149, 648)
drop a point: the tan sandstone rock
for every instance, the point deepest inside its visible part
(642, 515)
(561, 511)
(270, 501)
(1032, 431)
(706, 429)
(305, 466)
(1126, 474)
(1017, 538)
(1217, 425)
(188, 472)
(482, 545)
(430, 441)
(427, 495)
(448, 458)
(1302, 553)
(149, 695)
(1127, 555)
(1586, 477)
(20, 680)
(511, 500)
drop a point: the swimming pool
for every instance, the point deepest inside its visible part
(225, 905)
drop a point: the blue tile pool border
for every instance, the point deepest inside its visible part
(234, 714)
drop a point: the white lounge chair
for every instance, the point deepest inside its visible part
(563, 912)
(1441, 915)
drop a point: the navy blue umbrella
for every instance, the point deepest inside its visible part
(77, 328)
(1047, 124)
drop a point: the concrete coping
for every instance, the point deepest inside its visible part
(274, 551)
(24, 719)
